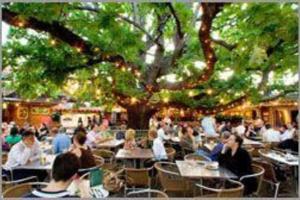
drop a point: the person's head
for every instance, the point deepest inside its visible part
(130, 135)
(224, 137)
(268, 126)
(152, 134)
(65, 167)
(96, 128)
(283, 128)
(54, 130)
(14, 131)
(79, 138)
(190, 130)
(28, 137)
(234, 141)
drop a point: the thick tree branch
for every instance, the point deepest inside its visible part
(210, 10)
(224, 44)
(64, 34)
(178, 24)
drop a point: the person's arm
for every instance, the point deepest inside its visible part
(36, 151)
(55, 146)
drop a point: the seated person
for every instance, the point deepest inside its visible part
(94, 136)
(213, 155)
(22, 153)
(290, 144)
(238, 161)
(270, 135)
(162, 131)
(121, 134)
(13, 137)
(187, 140)
(130, 139)
(82, 151)
(158, 149)
(64, 171)
(61, 142)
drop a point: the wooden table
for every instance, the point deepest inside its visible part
(110, 144)
(194, 170)
(134, 154)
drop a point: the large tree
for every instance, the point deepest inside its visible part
(144, 56)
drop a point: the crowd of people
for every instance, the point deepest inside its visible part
(75, 147)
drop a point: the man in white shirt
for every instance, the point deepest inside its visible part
(208, 124)
(162, 131)
(240, 129)
(24, 152)
(287, 132)
(94, 137)
(271, 135)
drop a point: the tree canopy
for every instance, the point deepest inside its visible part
(206, 56)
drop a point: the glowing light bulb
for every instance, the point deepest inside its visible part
(209, 91)
(53, 42)
(133, 100)
(166, 100)
(191, 93)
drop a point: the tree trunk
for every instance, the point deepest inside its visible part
(139, 115)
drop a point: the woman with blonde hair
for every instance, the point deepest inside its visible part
(130, 139)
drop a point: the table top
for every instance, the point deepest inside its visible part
(111, 143)
(134, 154)
(252, 142)
(190, 169)
(280, 157)
(37, 165)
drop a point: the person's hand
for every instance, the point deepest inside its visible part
(224, 149)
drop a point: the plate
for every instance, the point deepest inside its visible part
(210, 167)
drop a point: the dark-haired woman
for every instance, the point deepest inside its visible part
(82, 151)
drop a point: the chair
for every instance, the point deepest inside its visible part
(99, 160)
(8, 183)
(21, 189)
(258, 173)
(4, 158)
(229, 188)
(108, 155)
(269, 176)
(196, 157)
(109, 159)
(137, 178)
(249, 149)
(170, 179)
(148, 193)
(170, 153)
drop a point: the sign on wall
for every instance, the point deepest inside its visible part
(22, 113)
(40, 111)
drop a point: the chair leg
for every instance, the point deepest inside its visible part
(276, 189)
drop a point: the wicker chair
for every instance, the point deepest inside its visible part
(224, 190)
(8, 183)
(170, 153)
(21, 189)
(109, 159)
(269, 176)
(137, 179)
(196, 157)
(258, 173)
(170, 179)
(249, 149)
(148, 193)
